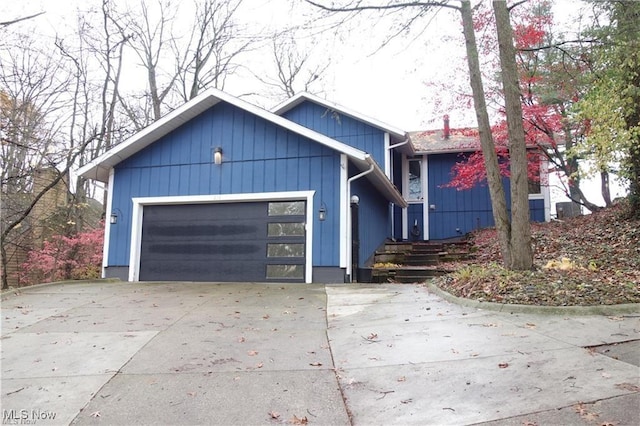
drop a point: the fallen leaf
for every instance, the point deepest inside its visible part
(299, 421)
(95, 414)
(315, 364)
(259, 365)
(402, 379)
(372, 336)
(241, 339)
(606, 375)
(252, 353)
(616, 318)
(503, 365)
(274, 414)
(406, 401)
(628, 386)
(266, 316)
(191, 393)
(530, 325)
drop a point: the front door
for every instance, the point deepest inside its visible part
(415, 195)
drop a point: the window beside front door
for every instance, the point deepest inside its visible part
(415, 180)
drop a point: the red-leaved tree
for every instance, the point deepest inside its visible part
(65, 258)
(549, 85)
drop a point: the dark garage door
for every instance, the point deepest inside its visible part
(253, 241)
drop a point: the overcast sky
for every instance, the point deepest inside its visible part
(389, 84)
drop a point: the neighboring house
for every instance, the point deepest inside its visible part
(222, 190)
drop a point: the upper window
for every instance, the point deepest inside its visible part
(415, 180)
(286, 208)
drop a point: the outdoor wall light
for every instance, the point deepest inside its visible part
(355, 199)
(322, 213)
(217, 155)
(113, 219)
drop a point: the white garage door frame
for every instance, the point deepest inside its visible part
(140, 202)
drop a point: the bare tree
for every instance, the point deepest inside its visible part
(34, 85)
(214, 44)
(295, 69)
(150, 38)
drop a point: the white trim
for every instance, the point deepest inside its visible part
(546, 191)
(405, 194)
(425, 198)
(343, 202)
(140, 202)
(98, 168)
(107, 225)
(301, 97)
(387, 156)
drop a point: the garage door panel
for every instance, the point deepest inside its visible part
(211, 251)
(223, 242)
(194, 270)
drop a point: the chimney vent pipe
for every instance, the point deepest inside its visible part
(447, 130)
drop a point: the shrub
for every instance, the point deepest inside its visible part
(62, 258)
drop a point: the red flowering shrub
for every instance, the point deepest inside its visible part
(64, 258)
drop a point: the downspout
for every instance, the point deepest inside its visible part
(391, 204)
(406, 141)
(349, 239)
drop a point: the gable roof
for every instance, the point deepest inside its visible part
(100, 167)
(396, 135)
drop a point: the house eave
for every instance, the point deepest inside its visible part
(381, 182)
(98, 168)
(397, 135)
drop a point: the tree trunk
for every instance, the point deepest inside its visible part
(605, 188)
(521, 250)
(494, 180)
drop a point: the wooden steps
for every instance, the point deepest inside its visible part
(409, 262)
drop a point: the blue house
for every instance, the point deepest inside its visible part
(222, 190)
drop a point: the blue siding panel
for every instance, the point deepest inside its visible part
(340, 127)
(460, 212)
(258, 156)
(374, 218)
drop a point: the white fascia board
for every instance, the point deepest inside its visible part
(344, 210)
(98, 168)
(301, 97)
(380, 181)
(387, 155)
(107, 225)
(140, 202)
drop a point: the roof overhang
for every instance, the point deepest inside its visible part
(100, 167)
(396, 135)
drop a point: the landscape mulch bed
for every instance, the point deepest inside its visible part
(582, 261)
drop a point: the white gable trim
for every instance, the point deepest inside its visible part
(301, 97)
(98, 168)
(140, 202)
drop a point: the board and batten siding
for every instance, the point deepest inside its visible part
(338, 126)
(258, 156)
(459, 212)
(374, 221)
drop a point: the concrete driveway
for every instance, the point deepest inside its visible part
(192, 353)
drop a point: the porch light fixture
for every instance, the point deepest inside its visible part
(322, 213)
(113, 219)
(355, 199)
(217, 155)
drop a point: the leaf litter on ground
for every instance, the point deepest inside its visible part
(588, 260)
